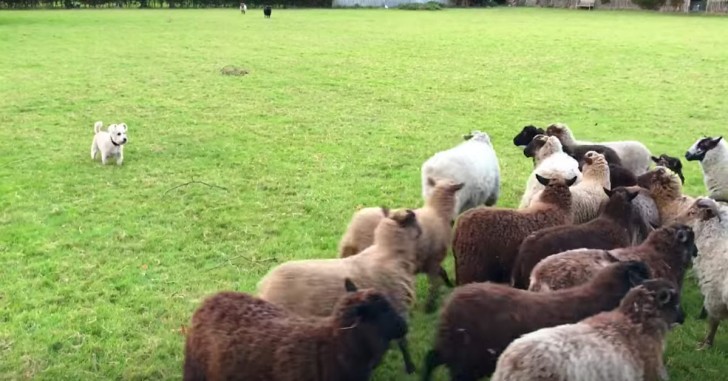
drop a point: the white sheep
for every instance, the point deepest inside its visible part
(713, 156)
(473, 162)
(552, 163)
(709, 221)
(625, 344)
(634, 155)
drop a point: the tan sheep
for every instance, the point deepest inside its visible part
(360, 232)
(312, 287)
(666, 189)
(588, 196)
(435, 220)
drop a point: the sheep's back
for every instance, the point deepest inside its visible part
(586, 200)
(567, 269)
(360, 232)
(634, 155)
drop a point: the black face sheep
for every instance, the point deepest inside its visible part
(666, 189)
(672, 163)
(486, 240)
(668, 251)
(613, 229)
(312, 287)
(235, 336)
(626, 344)
(712, 153)
(526, 135)
(434, 218)
(710, 222)
(479, 320)
(578, 151)
(267, 11)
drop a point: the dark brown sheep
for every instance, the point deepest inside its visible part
(526, 135)
(577, 151)
(668, 251)
(613, 228)
(672, 163)
(486, 240)
(236, 336)
(479, 320)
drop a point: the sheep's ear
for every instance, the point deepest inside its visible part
(632, 195)
(544, 181)
(717, 140)
(637, 273)
(571, 181)
(430, 181)
(349, 285)
(608, 192)
(655, 159)
(385, 211)
(682, 236)
(458, 186)
(467, 136)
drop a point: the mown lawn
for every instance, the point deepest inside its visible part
(102, 267)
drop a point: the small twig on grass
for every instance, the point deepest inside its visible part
(194, 182)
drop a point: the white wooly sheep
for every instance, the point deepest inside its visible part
(472, 162)
(625, 344)
(634, 155)
(553, 163)
(709, 221)
(713, 156)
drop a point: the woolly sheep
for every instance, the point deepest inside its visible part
(710, 223)
(479, 320)
(577, 151)
(633, 154)
(672, 163)
(235, 336)
(665, 189)
(553, 163)
(473, 162)
(712, 153)
(433, 243)
(588, 196)
(626, 344)
(486, 240)
(611, 230)
(312, 287)
(668, 252)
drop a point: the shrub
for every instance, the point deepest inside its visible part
(649, 4)
(428, 6)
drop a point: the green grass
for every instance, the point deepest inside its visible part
(100, 267)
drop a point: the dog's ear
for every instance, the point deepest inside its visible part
(123, 127)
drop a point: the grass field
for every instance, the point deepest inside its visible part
(101, 267)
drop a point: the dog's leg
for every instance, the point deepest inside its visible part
(94, 150)
(104, 155)
(120, 158)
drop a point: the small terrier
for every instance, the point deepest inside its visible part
(110, 142)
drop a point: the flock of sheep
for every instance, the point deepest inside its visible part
(581, 282)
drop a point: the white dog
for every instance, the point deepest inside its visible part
(110, 142)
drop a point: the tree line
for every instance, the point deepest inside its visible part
(70, 4)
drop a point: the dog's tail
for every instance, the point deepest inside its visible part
(98, 126)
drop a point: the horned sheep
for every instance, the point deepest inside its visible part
(474, 163)
(432, 245)
(624, 344)
(312, 287)
(486, 240)
(479, 320)
(236, 336)
(551, 162)
(712, 153)
(668, 251)
(613, 229)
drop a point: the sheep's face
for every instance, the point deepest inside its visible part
(526, 135)
(478, 136)
(594, 158)
(703, 209)
(406, 220)
(560, 131)
(535, 145)
(657, 301)
(370, 308)
(660, 178)
(672, 163)
(701, 147)
(682, 237)
(447, 185)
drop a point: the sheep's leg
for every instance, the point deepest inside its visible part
(435, 278)
(703, 314)
(445, 278)
(409, 366)
(712, 329)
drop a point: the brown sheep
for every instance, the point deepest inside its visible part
(668, 251)
(479, 320)
(666, 189)
(236, 336)
(486, 239)
(624, 344)
(312, 287)
(613, 229)
(577, 151)
(435, 220)
(360, 232)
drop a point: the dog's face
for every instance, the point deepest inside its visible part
(118, 133)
